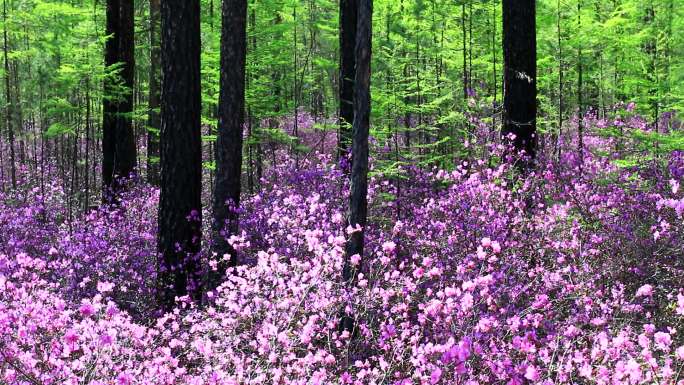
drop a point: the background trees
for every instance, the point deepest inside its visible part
(437, 84)
(55, 73)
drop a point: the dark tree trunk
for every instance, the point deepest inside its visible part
(520, 73)
(153, 119)
(580, 95)
(560, 84)
(348, 19)
(180, 208)
(118, 141)
(88, 128)
(125, 155)
(358, 200)
(229, 139)
(109, 108)
(465, 55)
(10, 109)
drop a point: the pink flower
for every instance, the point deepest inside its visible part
(486, 242)
(346, 378)
(679, 353)
(104, 287)
(86, 309)
(435, 376)
(106, 339)
(680, 304)
(645, 291)
(633, 369)
(70, 337)
(467, 301)
(355, 259)
(662, 340)
(124, 379)
(389, 247)
(531, 373)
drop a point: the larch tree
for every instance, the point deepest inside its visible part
(180, 206)
(227, 185)
(118, 141)
(153, 119)
(520, 76)
(347, 32)
(125, 156)
(10, 120)
(358, 198)
(109, 108)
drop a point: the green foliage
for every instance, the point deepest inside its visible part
(425, 53)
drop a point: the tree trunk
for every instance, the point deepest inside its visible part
(180, 210)
(153, 119)
(109, 108)
(358, 200)
(10, 109)
(520, 72)
(125, 155)
(559, 137)
(580, 96)
(229, 139)
(118, 140)
(348, 20)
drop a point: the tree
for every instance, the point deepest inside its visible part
(180, 218)
(9, 110)
(125, 155)
(358, 199)
(227, 184)
(347, 27)
(109, 109)
(118, 141)
(520, 73)
(153, 119)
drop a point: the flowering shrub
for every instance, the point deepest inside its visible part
(472, 275)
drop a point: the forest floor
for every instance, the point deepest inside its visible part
(570, 275)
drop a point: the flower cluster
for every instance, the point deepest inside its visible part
(474, 275)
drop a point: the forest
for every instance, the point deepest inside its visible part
(313, 192)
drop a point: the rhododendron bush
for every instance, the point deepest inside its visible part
(474, 275)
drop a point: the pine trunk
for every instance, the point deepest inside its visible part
(180, 222)
(348, 20)
(125, 155)
(153, 119)
(520, 73)
(229, 139)
(358, 200)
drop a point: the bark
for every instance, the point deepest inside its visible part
(358, 200)
(560, 83)
(229, 139)
(10, 109)
(118, 140)
(348, 21)
(180, 151)
(153, 119)
(465, 55)
(520, 73)
(125, 155)
(109, 108)
(580, 87)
